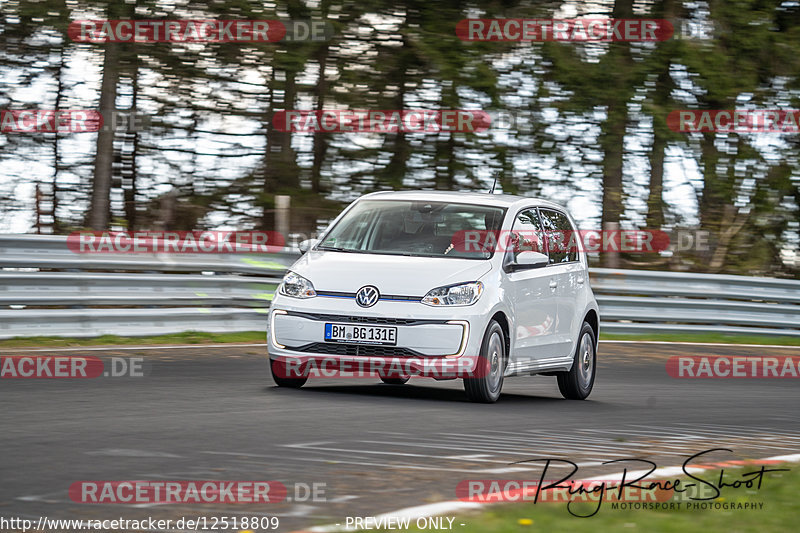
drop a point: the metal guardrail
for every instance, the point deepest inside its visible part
(46, 289)
(51, 252)
(640, 301)
(130, 294)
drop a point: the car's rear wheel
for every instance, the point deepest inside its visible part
(280, 375)
(486, 386)
(395, 380)
(578, 382)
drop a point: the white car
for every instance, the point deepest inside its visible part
(443, 284)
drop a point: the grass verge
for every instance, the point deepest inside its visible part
(197, 337)
(189, 337)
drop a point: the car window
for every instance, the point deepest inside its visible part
(560, 236)
(526, 234)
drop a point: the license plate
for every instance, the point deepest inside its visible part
(361, 334)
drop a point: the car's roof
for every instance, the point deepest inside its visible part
(497, 200)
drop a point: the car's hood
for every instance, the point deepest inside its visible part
(391, 274)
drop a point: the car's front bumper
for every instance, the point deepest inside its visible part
(424, 333)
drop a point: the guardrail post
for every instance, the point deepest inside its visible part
(611, 256)
(282, 203)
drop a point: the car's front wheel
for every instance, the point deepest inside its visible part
(280, 375)
(578, 382)
(488, 381)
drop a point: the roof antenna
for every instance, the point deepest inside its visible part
(493, 185)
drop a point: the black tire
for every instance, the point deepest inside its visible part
(486, 387)
(279, 373)
(578, 382)
(395, 381)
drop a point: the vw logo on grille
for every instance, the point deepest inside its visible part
(367, 296)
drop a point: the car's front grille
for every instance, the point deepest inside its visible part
(335, 348)
(387, 297)
(364, 319)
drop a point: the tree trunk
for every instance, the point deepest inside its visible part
(662, 99)
(655, 201)
(613, 132)
(320, 138)
(100, 211)
(56, 154)
(129, 169)
(280, 164)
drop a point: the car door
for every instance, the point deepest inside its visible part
(533, 294)
(569, 272)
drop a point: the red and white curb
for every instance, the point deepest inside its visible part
(455, 506)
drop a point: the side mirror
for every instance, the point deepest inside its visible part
(529, 259)
(306, 245)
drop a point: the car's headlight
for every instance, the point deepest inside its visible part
(296, 286)
(464, 294)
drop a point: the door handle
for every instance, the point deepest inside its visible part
(580, 280)
(553, 284)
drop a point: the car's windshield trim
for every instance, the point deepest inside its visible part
(395, 254)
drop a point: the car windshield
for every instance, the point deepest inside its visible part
(416, 228)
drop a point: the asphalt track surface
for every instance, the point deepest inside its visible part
(214, 413)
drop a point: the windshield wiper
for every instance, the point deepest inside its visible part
(337, 249)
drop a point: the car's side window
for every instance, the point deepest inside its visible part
(560, 236)
(526, 234)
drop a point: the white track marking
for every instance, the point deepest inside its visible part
(701, 344)
(753, 430)
(559, 438)
(409, 466)
(383, 452)
(793, 458)
(406, 466)
(476, 448)
(264, 345)
(611, 448)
